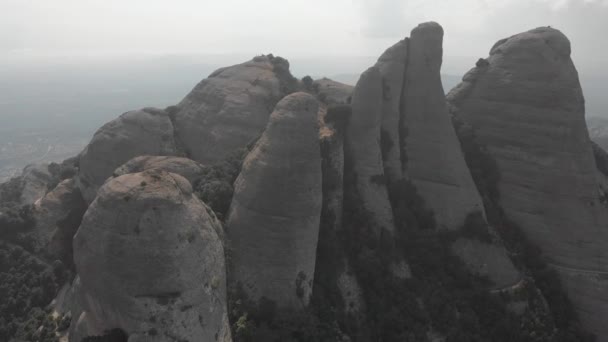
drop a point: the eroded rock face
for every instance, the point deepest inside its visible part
(433, 159)
(363, 149)
(150, 263)
(230, 108)
(273, 224)
(142, 132)
(527, 108)
(184, 167)
(58, 215)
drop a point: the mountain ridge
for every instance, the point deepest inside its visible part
(266, 208)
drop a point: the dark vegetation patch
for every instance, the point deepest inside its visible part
(15, 223)
(338, 115)
(264, 321)
(442, 295)
(288, 83)
(307, 83)
(59, 172)
(215, 186)
(26, 286)
(565, 324)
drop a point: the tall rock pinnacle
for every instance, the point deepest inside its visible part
(526, 106)
(273, 224)
(433, 160)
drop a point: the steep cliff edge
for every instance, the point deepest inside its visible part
(527, 108)
(273, 224)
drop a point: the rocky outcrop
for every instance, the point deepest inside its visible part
(433, 160)
(392, 65)
(35, 181)
(27, 188)
(332, 92)
(487, 260)
(142, 132)
(526, 105)
(57, 216)
(363, 150)
(231, 107)
(273, 223)
(184, 167)
(150, 263)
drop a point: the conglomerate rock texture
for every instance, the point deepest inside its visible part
(527, 108)
(273, 223)
(149, 262)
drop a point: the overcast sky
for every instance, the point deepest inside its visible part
(291, 28)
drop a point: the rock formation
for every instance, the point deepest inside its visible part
(27, 188)
(150, 263)
(35, 181)
(332, 259)
(332, 92)
(58, 215)
(328, 200)
(364, 152)
(273, 222)
(433, 160)
(184, 167)
(142, 132)
(392, 65)
(526, 106)
(231, 107)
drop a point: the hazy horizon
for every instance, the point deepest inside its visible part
(68, 66)
(96, 29)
